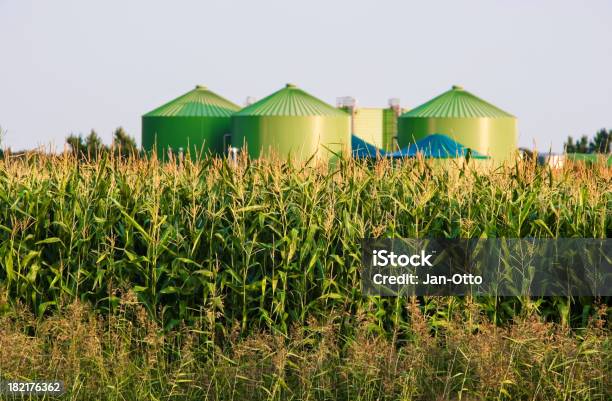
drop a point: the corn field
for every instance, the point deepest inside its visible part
(232, 252)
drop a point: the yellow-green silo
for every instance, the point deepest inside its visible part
(465, 118)
(291, 122)
(376, 126)
(198, 121)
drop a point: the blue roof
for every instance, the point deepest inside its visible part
(437, 146)
(362, 149)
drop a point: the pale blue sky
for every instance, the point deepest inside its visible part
(71, 65)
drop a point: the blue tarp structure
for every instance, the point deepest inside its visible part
(362, 149)
(436, 146)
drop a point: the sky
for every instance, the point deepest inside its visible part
(69, 66)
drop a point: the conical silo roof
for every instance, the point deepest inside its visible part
(290, 101)
(457, 103)
(199, 102)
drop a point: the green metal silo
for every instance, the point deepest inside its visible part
(199, 121)
(375, 126)
(290, 122)
(465, 118)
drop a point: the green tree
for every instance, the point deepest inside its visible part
(76, 145)
(91, 147)
(123, 144)
(601, 143)
(569, 146)
(580, 146)
(94, 145)
(2, 134)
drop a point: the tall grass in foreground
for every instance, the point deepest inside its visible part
(140, 280)
(126, 356)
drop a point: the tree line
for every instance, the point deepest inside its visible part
(92, 146)
(600, 143)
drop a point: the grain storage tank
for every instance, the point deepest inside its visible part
(376, 126)
(199, 120)
(367, 124)
(290, 122)
(465, 118)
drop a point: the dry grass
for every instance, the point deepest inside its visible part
(124, 357)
